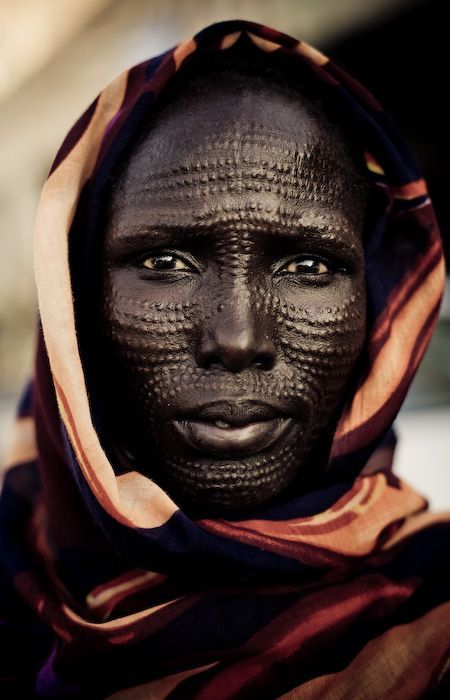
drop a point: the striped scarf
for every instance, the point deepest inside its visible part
(109, 590)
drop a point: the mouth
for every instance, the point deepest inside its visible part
(242, 428)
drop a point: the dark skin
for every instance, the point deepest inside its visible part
(233, 270)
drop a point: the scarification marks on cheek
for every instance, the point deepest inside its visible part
(133, 321)
(131, 313)
(150, 333)
(325, 342)
(156, 311)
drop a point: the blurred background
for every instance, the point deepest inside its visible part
(56, 55)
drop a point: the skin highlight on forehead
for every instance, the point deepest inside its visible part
(252, 159)
(264, 192)
(236, 198)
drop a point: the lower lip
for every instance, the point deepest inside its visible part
(244, 439)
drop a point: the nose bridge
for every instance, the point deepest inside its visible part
(236, 332)
(235, 317)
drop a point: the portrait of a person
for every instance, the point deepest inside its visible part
(239, 270)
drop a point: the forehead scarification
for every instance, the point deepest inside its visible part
(288, 166)
(201, 158)
(209, 187)
(274, 153)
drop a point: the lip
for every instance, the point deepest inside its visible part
(248, 438)
(236, 412)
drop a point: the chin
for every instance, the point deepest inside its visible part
(219, 486)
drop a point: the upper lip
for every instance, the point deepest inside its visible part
(234, 412)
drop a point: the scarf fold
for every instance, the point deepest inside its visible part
(109, 590)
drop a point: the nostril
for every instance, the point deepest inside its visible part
(264, 362)
(211, 361)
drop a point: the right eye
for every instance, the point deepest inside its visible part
(165, 262)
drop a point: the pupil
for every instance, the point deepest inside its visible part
(311, 265)
(163, 262)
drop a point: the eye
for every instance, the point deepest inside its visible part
(309, 266)
(165, 261)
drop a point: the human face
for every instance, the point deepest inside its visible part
(233, 298)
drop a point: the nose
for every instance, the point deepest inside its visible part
(236, 335)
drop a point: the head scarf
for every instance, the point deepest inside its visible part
(109, 590)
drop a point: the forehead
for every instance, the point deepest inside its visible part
(256, 156)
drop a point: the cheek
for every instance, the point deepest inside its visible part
(322, 341)
(146, 339)
(326, 337)
(141, 328)
(321, 333)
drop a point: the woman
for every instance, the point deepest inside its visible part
(239, 270)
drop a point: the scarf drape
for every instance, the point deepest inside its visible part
(109, 590)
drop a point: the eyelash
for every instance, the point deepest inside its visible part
(332, 267)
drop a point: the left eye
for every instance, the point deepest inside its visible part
(165, 261)
(310, 266)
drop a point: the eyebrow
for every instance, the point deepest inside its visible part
(130, 238)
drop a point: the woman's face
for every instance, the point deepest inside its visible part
(233, 302)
